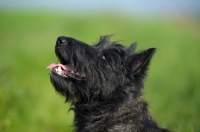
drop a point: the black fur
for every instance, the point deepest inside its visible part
(103, 82)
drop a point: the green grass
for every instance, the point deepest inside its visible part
(27, 40)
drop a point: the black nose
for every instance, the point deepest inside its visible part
(61, 40)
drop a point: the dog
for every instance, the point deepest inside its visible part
(103, 83)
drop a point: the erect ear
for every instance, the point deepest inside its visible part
(139, 62)
(131, 50)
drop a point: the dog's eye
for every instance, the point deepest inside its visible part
(103, 57)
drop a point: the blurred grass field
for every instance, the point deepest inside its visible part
(28, 102)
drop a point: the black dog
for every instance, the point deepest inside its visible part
(103, 82)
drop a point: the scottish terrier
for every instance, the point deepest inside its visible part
(103, 83)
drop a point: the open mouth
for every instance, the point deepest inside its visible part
(65, 71)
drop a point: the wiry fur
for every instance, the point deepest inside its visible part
(108, 98)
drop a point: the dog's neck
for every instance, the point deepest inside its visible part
(133, 114)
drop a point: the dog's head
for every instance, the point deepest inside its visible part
(100, 72)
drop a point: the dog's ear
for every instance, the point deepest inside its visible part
(139, 62)
(131, 50)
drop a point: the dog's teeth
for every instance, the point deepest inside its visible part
(59, 73)
(59, 68)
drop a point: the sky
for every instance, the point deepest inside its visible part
(137, 7)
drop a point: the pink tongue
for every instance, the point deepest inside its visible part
(53, 65)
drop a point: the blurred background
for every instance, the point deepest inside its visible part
(28, 31)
